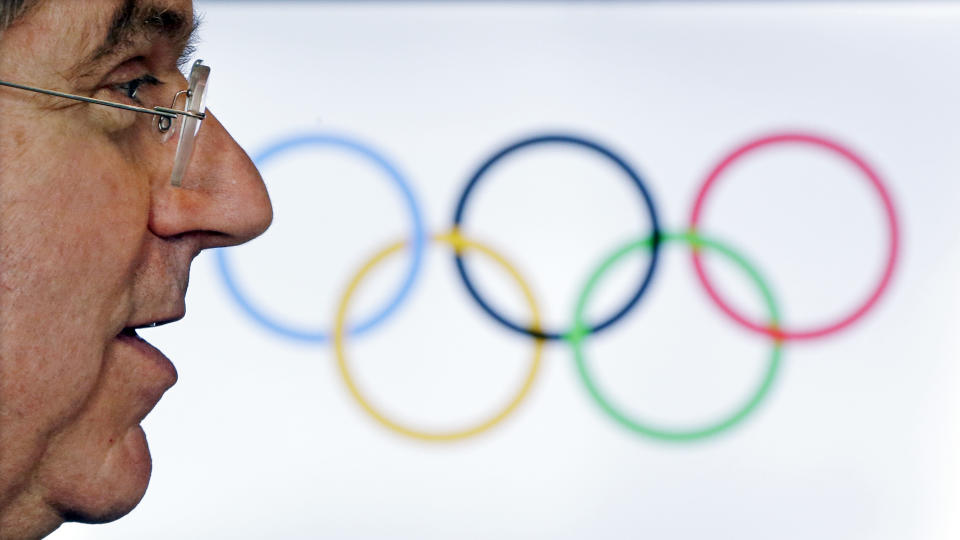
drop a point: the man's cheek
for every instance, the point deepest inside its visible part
(47, 381)
(83, 231)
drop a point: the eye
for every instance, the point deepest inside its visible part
(130, 88)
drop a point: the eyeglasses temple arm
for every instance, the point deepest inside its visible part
(158, 111)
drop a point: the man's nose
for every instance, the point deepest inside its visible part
(222, 195)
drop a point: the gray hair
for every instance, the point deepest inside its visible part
(11, 10)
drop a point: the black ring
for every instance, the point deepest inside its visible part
(579, 141)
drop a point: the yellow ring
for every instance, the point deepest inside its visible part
(459, 243)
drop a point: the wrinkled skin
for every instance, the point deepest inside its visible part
(95, 240)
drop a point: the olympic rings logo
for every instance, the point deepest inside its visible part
(580, 329)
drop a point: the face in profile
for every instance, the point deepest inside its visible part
(95, 243)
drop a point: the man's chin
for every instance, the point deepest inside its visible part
(113, 490)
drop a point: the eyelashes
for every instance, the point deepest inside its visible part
(131, 88)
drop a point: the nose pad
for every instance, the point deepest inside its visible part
(166, 126)
(174, 128)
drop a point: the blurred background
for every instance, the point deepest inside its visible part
(367, 118)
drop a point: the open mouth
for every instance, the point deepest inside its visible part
(130, 335)
(131, 331)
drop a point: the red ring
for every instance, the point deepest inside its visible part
(894, 234)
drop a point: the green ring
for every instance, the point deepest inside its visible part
(576, 339)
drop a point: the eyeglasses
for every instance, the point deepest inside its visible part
(188, 120)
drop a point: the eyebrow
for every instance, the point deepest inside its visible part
(135, 21)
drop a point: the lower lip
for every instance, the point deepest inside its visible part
(162, 374)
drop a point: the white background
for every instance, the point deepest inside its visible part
(860, 436)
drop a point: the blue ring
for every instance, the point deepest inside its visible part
(352, 145)
(631, 173)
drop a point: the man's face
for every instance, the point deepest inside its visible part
(94, 242)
